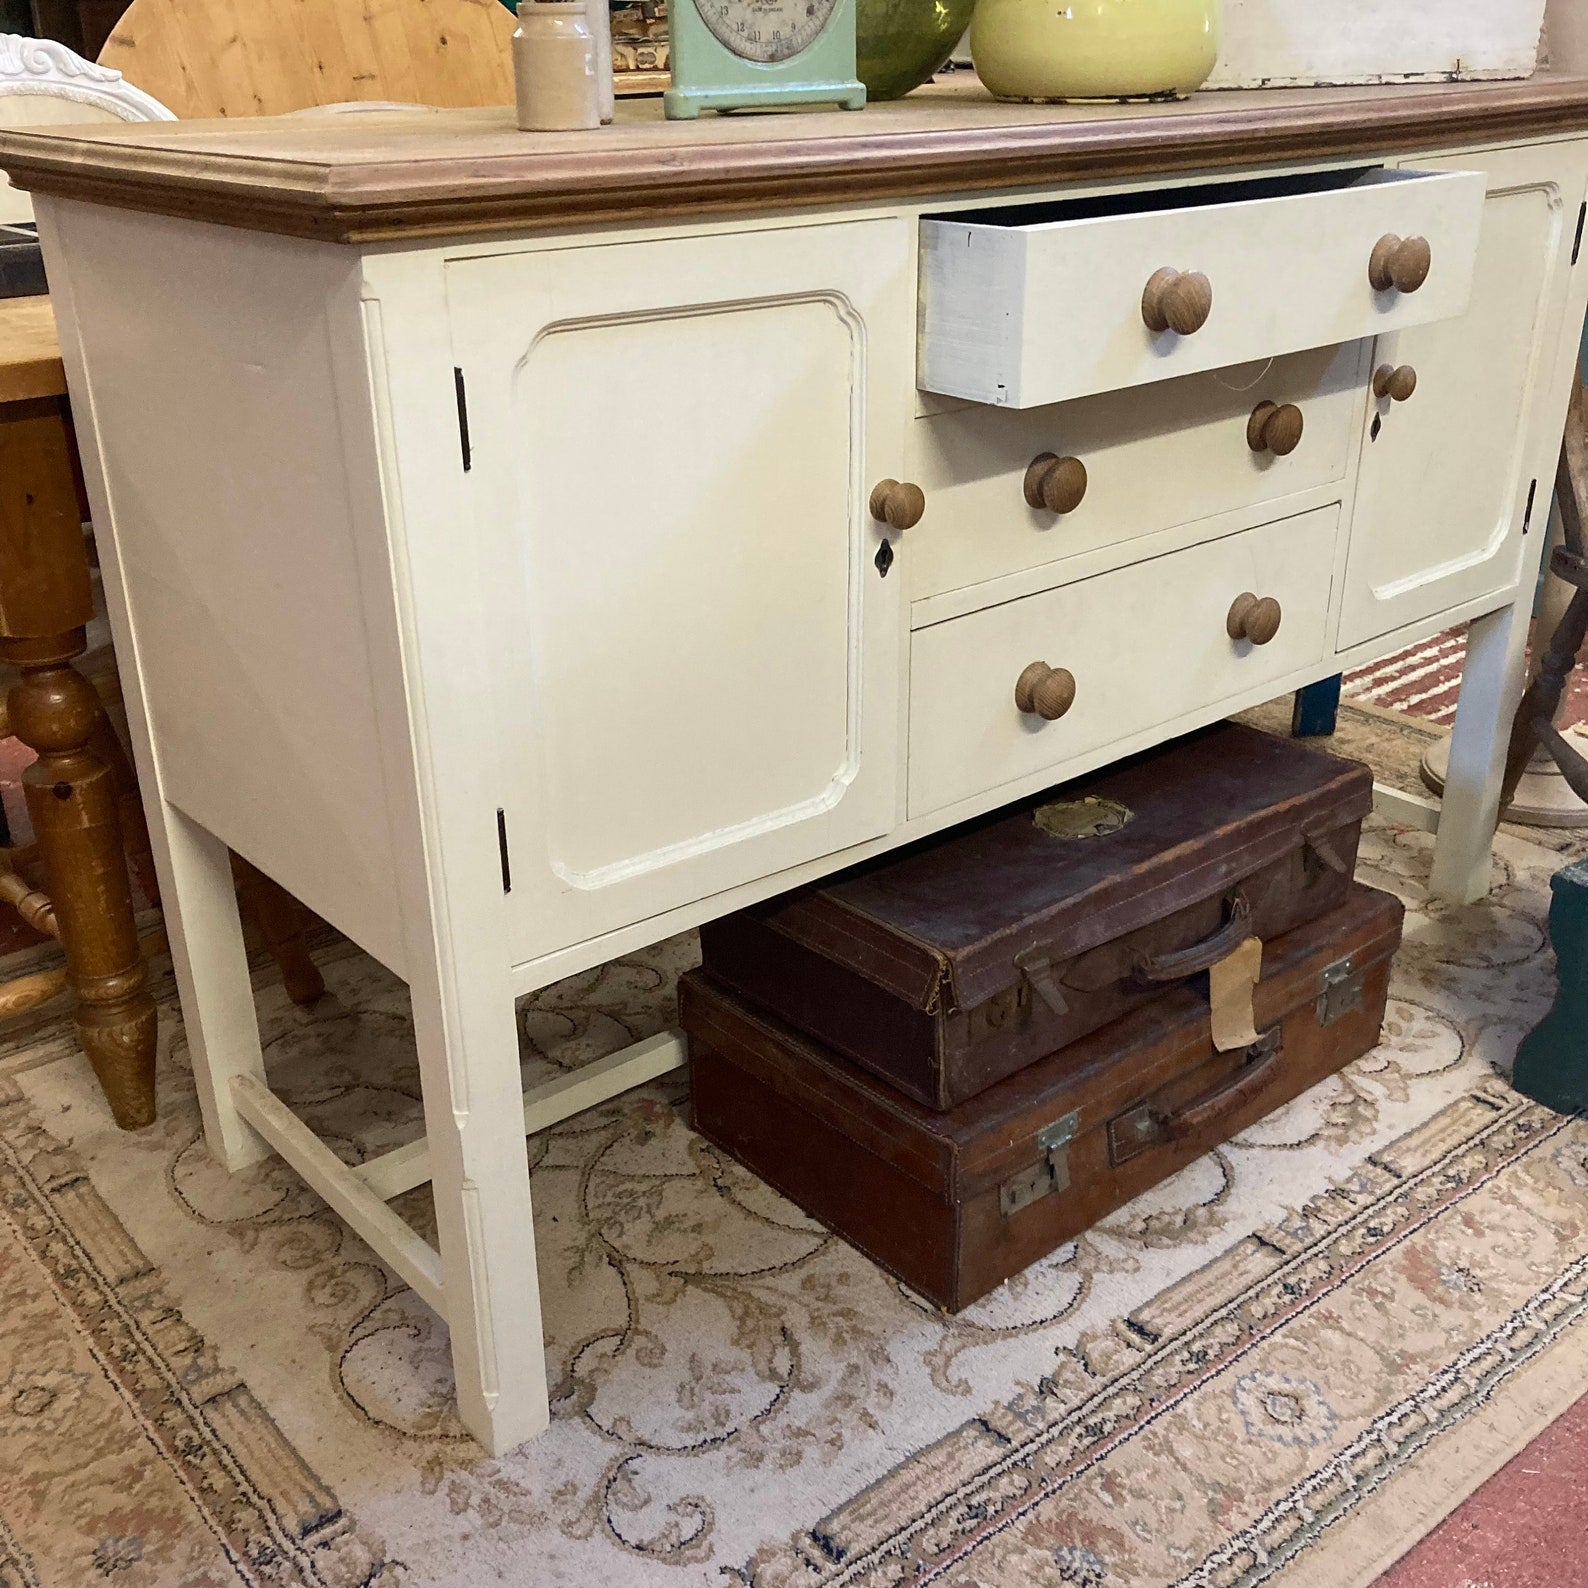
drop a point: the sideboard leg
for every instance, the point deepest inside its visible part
(1491, 687)
(206, 933)
(474, 1124)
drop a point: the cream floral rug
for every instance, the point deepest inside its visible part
(1283, 1366)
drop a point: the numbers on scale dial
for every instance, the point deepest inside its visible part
(766, 30)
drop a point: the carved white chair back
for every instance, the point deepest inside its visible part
(44, 84)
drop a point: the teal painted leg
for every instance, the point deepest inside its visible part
(1552, 1063)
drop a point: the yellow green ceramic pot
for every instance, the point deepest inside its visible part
(901, 43)
(1095, 49)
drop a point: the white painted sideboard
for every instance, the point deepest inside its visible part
(487, 521)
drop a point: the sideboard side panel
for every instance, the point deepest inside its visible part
(246, 596)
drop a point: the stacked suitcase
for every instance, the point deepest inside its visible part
(963, 1055)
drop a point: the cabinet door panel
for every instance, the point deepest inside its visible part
(681, 435)
(1445, 484)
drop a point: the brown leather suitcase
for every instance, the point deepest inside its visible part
(961, 960)
(955, 1203)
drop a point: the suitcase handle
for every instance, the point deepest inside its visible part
(1241, 1088)
(1201, 956)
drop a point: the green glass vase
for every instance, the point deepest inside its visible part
(901, 43)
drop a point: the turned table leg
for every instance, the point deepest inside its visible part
(275, 912)
(45, 603)
(72, 801)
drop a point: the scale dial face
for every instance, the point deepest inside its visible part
(768, 31)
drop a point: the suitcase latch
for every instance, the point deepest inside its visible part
(1051, 1174)
(1341, 992)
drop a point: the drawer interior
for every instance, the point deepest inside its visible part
(1157, 201)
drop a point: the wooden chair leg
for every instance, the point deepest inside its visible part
(106, 744)
(72, 802)
(276, 913)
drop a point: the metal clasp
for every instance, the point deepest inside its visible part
(1043, 1178)
(1341, 989)
(1036, 969)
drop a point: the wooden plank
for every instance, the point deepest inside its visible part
(395, 1242)
(264, 57)
(30, 352)
(357, 178)
(1406, 810)
(544, 1106)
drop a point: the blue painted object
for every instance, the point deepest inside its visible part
(1552, 1063)
(1317, 709)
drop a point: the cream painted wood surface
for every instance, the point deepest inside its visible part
(1453, 473)
(640, 613)
(285, 679)
(1146, 644)
(1040, 310)
(1170, 454)
(700, 617)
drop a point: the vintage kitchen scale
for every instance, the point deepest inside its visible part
(762, 54)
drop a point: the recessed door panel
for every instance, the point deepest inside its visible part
(1446, 475)
(674, 443)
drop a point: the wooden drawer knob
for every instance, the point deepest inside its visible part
(898, 505)
(1397, 384)
(1178, 301)
(1253, 618)
(1275, 428)
(1046, 692)
(1056, 484)
(1400, 264)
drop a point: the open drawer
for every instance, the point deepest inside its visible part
(1043, 303)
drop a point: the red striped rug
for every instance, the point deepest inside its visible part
(1424, 681)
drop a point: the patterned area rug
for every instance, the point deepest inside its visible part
(1424, 680)
(1282, 1366)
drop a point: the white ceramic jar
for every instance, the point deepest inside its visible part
(1095, 49)
(554, 67)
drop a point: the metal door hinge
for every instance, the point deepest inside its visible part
(1050, 1174)
(501, 844)
(1341, 990)
(463, 419)
(1532, 498)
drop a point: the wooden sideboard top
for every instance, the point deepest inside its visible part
(355, 178)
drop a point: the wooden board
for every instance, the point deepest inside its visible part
(30, 354)
(1271, 43)
(358, 178)
(264, 57)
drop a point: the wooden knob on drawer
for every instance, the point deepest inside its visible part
(1400, 264)
(1046, 692)
(1275, 428)
(1178, 301)
(1254, 618)
(898, 505)
(1056, 484)
(1396, 384)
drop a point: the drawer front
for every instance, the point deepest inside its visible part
(1172, 455)
(1145, 644)
(1019, 311)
